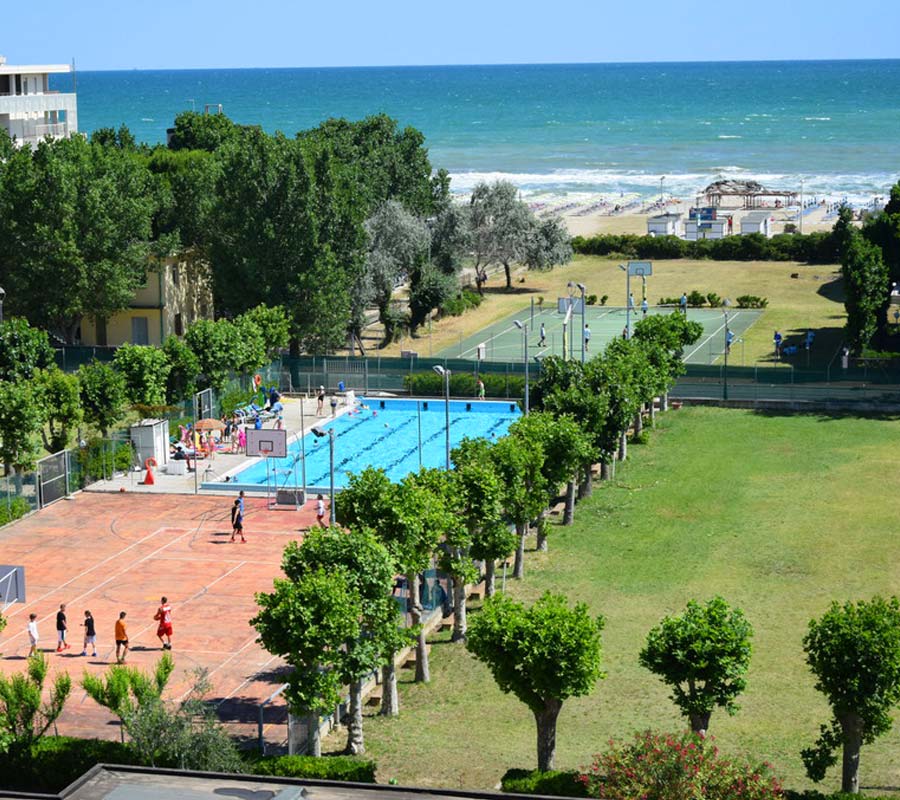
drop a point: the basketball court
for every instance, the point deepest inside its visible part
(122, 552)
(504, 340)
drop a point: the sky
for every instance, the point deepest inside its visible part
(196, 34)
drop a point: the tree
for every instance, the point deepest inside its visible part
(478, 486)
(854, 652)
(668, 335)
(547, 244)
(24, 716)
(103, 395)
(398, 245)
(20, 424)
(273, 326)
(865, 289)
(703, 655)
(184, 367)
(23, 350)
(145, 370)
(543, 655)
(301, 621)
(368, 568)
(75, 232)
(499, 223)
(218, 349)
(60, 402)
(208, 132)
(428, 291)
(450, 238)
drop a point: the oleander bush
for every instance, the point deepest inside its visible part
(557, 783)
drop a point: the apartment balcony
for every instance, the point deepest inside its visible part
(17, 105)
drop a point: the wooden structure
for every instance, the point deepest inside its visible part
(749, 194)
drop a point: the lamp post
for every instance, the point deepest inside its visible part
(727, 348)
(303, 446)
(523, 326)
(320, 433)
(580, 287)
(801, 206)
(661, 189)
(627, 300)
(2, 296)
(446, 375)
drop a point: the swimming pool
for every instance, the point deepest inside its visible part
(386, 434)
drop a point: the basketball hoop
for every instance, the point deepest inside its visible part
(265, 449)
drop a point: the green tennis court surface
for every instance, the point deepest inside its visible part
(504, 341)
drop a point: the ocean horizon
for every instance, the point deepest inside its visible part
(566, 130)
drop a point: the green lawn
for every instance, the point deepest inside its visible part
(779, 514)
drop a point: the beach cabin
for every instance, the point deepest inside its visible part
(665, 225)
(758, 222)
(705, 223)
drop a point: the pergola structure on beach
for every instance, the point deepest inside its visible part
(750, 193)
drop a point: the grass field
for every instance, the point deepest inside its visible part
(814, 300)
(779, 514)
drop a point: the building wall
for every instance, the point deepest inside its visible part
(177, 293)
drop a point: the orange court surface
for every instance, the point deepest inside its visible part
(122, 552)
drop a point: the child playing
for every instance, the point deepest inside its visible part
(90, 634)
(121, 639)
(32, 634)
(237, 520)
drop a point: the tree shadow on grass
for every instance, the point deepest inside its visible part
(824, 415)
(832, 290)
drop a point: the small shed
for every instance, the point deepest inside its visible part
(665, 225)
(706, 223)
(150, 438)
(758, 222)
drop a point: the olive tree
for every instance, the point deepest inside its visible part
(103, 395)
(543, 655)
(145, 370)
(854, 652)
(60, 402)
(703, 654)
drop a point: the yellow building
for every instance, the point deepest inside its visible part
(177, 293)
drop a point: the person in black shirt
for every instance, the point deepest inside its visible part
(90, 634)
(61, 628)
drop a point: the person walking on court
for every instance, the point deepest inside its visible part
(32, 634)
(683, 303)
(61, 628)
(237, 521)
(645, 306)
(631, 301)
(164, 617)
(121, 639)
(543, 340)
(587, 337)
(320, 510)
(777, 340)
(479, 389)
(90, 634)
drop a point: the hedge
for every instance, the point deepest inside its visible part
(56, 761)
(331, 768)
(558, 784)
(14, 509)
(462, 384)
(811, 248)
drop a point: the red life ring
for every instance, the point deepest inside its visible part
(148, 480)
(257, 380)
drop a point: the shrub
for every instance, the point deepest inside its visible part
(462, 384)
(696, 298)
(659, 766)
(100, 458)
(554, 783)
(603, 299)
(332, 768)
(460, 303)
(16, 508)
(752, 301)
(591, 299)
(714, 300)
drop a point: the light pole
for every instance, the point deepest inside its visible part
(627, 300)
(320, 433)
(303, 445)
(727, 348)
(446, 375)
(523, 326)
(801, 206)
(2, 296)
(661, 189)
(580, 287)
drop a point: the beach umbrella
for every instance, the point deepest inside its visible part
(210, 424)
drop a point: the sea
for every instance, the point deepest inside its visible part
(567, 131)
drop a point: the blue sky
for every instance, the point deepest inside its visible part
(124, 34)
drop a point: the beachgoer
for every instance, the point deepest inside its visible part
(257, 422)
(32, 634)
(320, 398)
(237, 521)
(587, 337)
(121, 639)
(242, 439)
(644, 307)
(241, 501)
(334, 402)
(164, 617)
(543, 336)
(90, 634)
(61, 627)
(479, 389)
(320, 510)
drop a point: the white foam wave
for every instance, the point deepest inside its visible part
(728, 136)
(817, 119)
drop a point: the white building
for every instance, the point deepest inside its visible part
(665, 225)
(695, 229)
(758, 222)
(29, 109)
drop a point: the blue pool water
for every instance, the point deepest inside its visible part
(385, 435)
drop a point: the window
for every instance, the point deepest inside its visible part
(140, 330)
(101, 332)
(179, 325)
(176, 277)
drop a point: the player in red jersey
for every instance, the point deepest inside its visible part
(164, 617)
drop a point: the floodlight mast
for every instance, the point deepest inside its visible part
(445, 373)
(523, 326)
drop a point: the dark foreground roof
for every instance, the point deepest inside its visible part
(115, 782)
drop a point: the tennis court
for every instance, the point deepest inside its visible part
(504, 340)
(114, 552)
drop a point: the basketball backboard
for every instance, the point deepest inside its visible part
(640, 268)
(12, 585)
(269, 443)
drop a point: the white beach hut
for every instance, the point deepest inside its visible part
(758, 222)
(665, 225)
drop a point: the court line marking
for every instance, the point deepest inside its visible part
(707, 339)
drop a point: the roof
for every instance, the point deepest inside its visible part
(33, 69)
(669, 216)
(115, 782)
(756, 216)
(741, 188)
